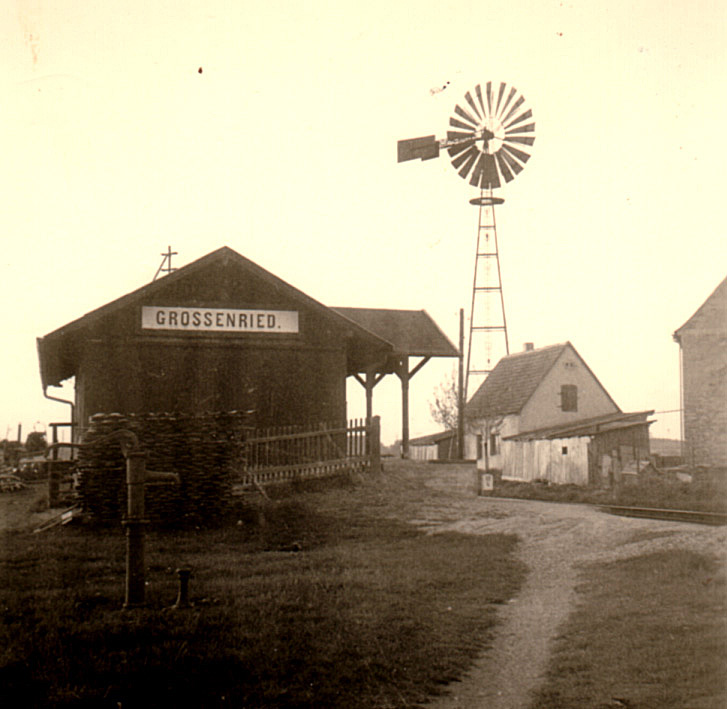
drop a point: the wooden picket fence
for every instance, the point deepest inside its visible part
(290, 453)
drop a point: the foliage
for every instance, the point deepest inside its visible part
(444, 407)
(35, 443)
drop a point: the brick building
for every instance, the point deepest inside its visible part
(703, 362)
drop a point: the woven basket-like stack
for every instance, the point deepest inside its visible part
(202, 449)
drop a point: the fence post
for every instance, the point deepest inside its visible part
(373, 435)
(135, 523)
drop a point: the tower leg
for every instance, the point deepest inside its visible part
(488, 340)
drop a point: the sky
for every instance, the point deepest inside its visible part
(271, 128)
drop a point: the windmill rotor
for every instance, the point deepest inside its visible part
(494, 132)
(489, 138)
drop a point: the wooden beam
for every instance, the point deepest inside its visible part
(423, 361)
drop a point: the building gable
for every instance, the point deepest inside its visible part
(568, 392)
(710, 317)
(221, 295)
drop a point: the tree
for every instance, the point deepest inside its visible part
(444, 409)
(35, 443)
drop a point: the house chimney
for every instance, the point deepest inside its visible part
(529, 347)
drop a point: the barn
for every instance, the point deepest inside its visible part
(703, 361)
(220, 334)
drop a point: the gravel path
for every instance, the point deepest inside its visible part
(556, 540)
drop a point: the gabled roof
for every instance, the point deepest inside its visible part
(411, 332)
(586, 427)
(515, 378)
(55, 365)
(513, 381)
(718, 298)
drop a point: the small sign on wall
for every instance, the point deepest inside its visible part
(218, 319)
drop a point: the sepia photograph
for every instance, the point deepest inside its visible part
(363, 355)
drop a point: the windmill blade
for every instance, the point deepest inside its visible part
(470, 101)
(490, 179)
(477, 172)
(522, 139)
(499, 97)
(513, 164)
(513, 91)
(489, 97)
(469, 163)
(478, 91)
(522, 117)
(504, 169)
(458, 135)
(456, 123)
(519, 154)
(461, 112)
(469, 154)
(529, 128)
(457, 149)
(514, 108)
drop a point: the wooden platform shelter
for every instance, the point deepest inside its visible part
(411, 333)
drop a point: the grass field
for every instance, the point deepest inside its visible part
(306, 609)
(650, 632)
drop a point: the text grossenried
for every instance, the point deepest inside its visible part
(218, 319)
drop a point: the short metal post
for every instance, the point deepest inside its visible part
(183, 597)
(135, 523)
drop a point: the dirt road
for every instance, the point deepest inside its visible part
(556, 540)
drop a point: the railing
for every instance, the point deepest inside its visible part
(288, 453)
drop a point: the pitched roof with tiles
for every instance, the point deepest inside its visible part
(411, 332)
(513, 381)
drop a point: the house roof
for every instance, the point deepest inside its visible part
(515, 378)
(56, 365)
(586, 427)
(717, 297)
(512, 382)
(432, 438)
(411, 332)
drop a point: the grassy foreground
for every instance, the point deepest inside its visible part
(294, 608)
(650, 632)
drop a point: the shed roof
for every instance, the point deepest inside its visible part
(586, 427)
(411, 332)
(432, 438)
(717, 298)
(513, 381)
(56, 349)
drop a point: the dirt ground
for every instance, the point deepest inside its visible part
(556, 541)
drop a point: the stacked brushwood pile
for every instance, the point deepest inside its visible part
(201, 449)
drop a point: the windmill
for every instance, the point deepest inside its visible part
(488, 142)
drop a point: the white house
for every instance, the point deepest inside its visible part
(543, 414)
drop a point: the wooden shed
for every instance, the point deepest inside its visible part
(220, 334)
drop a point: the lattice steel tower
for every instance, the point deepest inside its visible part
(489, 143)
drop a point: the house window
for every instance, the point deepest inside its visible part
(564, 450)
(569, 397)
(494, 450)
(480, 450)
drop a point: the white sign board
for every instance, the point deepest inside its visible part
(218, 319)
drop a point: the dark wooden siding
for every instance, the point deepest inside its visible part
(282, 378)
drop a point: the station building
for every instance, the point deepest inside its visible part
(224, 334)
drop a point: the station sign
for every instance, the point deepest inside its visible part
(218, 319)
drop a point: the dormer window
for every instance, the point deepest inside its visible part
(569, 397)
